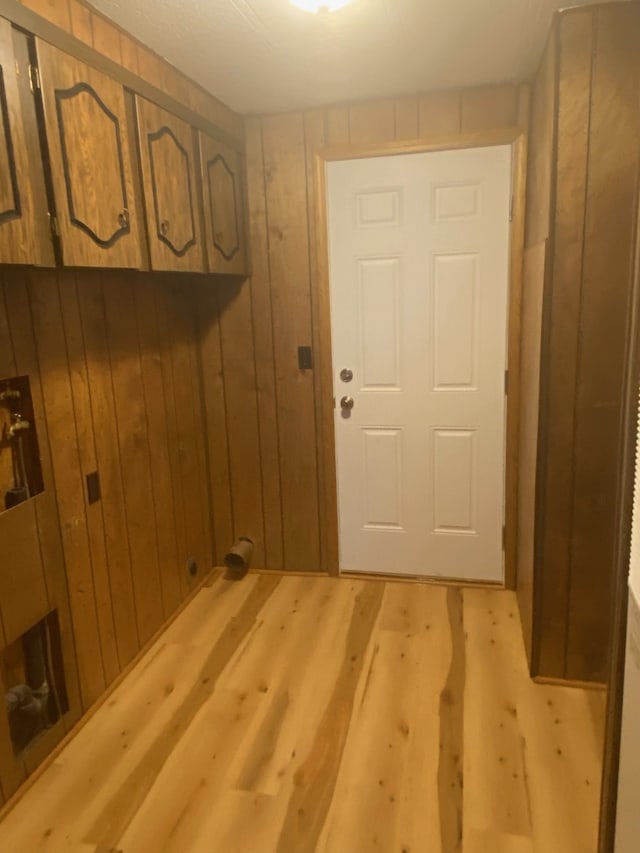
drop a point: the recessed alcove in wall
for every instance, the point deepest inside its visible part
(33, 682)
(20, 468)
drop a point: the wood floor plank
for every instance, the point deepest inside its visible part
(392, 753)
(315, 779)
(301, 691)
(492, 842)
(496, 793)
(323, 715)
(453, 750)
(120, 809)
(193, 776)
(563, 763)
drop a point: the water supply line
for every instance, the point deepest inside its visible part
(16, 431)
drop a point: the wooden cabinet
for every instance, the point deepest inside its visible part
(25, 237)
(195, 212)
(168, 161)
(223, 207)
(91, 165)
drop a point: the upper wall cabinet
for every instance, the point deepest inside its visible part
(167, 156)
(223, 207)
(24, 229)
(91, 165)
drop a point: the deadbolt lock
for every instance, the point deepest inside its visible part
(346, 375)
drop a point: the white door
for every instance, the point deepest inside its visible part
(419, 258)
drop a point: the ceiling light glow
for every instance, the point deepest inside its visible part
(320, 5)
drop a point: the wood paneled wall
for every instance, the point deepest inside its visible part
(584, 168)
(268, 407)
(113, 363)
(541, 168)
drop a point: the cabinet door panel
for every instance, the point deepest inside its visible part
(223, 206)
(24, 230)
(91, 167)
(167, 156)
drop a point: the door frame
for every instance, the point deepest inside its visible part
(517, 138)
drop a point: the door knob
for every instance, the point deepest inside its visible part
(346, 375)
(346, 404)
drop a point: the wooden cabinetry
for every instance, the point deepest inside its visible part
(583, 180)
(167, 157)
(91, 164)
(24, 228)
(223, 187)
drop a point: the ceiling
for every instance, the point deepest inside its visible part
(262, 56)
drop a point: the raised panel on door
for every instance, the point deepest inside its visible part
(382, 492)
(91, 164)
(223, 206)
(24, 230)
(379, 298)
(167, 157)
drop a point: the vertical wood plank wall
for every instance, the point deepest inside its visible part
(587, 124)
(113, 364)
(539, 184)
(270, 408)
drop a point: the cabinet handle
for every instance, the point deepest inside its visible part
(123, 218)
(164, 227)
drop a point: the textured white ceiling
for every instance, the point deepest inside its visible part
(269, 56)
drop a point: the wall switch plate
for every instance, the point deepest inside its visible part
(93, 487)
(305, 358)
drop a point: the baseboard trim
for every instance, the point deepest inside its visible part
(568, 682)
(422, 580)
(285, 573)
(370, 576)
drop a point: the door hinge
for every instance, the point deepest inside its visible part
(506, 382)
(504, 537)
(53, 225)
(34, 78)
(511, 209)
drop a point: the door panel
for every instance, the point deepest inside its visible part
(454, 487)
(91, 166)
(223, 206)
(380, 335)
(24, 229)
(455, 322)
(167, 155)
(382, 495)
(419, 251)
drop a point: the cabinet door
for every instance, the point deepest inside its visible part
(25, 237)
(91, 166)
(167, 156)
(223, 206)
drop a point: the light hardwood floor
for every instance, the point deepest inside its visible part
(297, 714)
